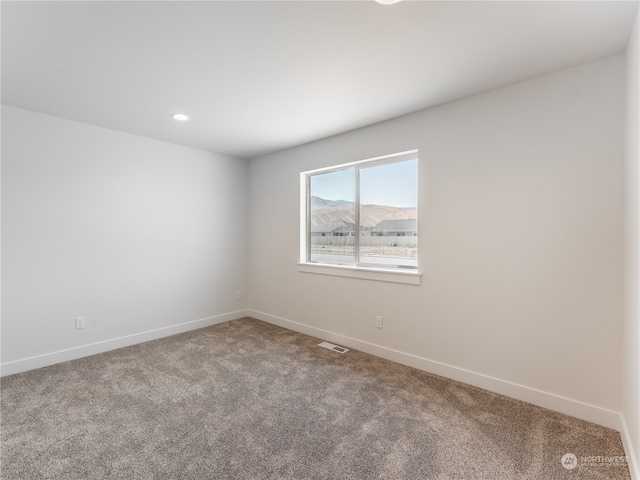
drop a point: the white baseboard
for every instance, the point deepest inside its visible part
(575, 408)
(30, 363)
(632, 460)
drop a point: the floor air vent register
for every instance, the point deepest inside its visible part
(333, 347)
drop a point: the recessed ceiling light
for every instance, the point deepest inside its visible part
(181, 117)
(387, 2)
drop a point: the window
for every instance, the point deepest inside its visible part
(362, 215)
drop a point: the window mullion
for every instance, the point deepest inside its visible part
(308, 217)
(356, 238)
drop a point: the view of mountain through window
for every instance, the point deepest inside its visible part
(377, 200)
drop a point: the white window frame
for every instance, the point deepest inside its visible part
(404, 275)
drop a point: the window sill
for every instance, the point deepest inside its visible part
(364, 273)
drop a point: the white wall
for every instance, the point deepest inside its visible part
(631, 326)
(521, 242)
(134, 234)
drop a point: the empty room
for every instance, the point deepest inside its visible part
(371, 239)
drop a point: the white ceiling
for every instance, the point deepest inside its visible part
(258, 77)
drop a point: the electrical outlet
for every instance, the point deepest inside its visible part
(237, 294)
(79, 323)
(378, 321)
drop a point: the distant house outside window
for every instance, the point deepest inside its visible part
(362, 215)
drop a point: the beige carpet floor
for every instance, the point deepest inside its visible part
(249, 400)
